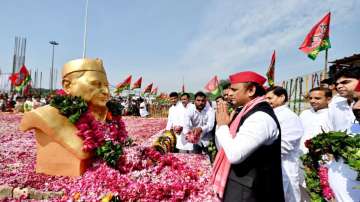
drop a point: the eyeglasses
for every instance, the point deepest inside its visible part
(344, 82)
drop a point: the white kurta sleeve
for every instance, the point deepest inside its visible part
(169, 123)
(291, 133)
(187, 120)
(258, 129)
(210, 121)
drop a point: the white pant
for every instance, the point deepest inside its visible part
(290, 172)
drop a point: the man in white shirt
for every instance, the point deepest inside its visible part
(248, 165)
(316, 119)
(178, 121)
(28, 105)
(340, 110)
(142, 108)
(342, 179)
(355, 128)
(174, 101)
(291, 133)
(199, 121)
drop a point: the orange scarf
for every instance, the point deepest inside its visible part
(221, 168)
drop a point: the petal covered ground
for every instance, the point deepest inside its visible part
(177, 177)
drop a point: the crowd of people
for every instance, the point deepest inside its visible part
(18, 103)
(259, 139)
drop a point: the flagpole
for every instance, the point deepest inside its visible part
(182, 87)
(85, 28)
(326, 61)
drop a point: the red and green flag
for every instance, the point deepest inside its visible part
(21, 80)
(213, 86)
(148, 88)
(270, 74)
(125, 85)
(137, 84)
(163, 96)
(318, 39)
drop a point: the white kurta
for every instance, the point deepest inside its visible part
(257, 130)
(340, 113)
(143, 111)
(205, 119)
(342, 181)
(171, 118)
(178, 119)
(313, 123)
(291, 133)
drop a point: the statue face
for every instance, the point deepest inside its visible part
(92, 86)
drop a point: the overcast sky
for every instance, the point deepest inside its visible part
(166, 40)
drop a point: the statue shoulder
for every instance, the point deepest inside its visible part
(42, 118)
(49, 121)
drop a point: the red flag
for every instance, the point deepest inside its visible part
(213, 86)
(154, 91)
(13, 77)
(137, 84)
(357, 89)
(148, 88)
(271, 71)
(318, 38)
(123, 85)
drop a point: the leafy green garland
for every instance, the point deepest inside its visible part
(338, 144)
(110, 152)
(69, 106)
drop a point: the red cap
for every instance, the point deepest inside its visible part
(357, 88)
(248, 76)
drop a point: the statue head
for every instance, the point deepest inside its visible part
(86, 78)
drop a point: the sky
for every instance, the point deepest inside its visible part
(168, 41)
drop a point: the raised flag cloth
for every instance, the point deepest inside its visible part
(137, 84)
(148, 88)
(318, 39)
(125, 85)
(271, 70)
(154, 91)
(22, 79)
(213, 86)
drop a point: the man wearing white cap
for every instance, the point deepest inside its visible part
(248, 165)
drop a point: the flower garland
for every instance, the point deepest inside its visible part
(321, 147)
(107, 138)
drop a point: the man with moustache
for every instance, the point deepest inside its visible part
(199, 121)
(174, 101)
(248, 165)
(291, 133)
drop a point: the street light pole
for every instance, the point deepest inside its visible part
(53, 43)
